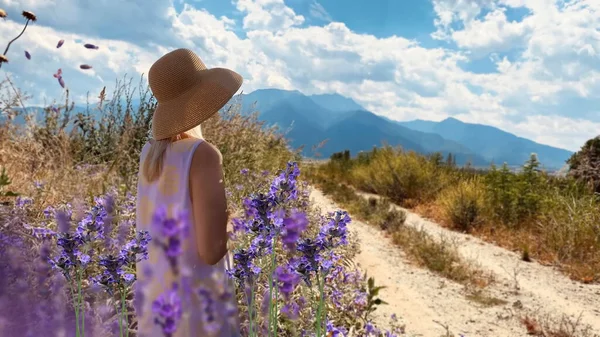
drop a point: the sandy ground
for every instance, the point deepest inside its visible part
(428, 303)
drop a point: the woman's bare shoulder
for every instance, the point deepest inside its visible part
(207, 155)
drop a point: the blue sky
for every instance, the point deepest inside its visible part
(530, 67)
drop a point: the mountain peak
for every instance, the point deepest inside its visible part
(336, 102)
(452, 120)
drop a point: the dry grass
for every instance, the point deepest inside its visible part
(484, 299)
(438, 255)
(547, 326)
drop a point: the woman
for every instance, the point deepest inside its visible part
(181, 182)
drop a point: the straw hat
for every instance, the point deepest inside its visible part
(187, 92)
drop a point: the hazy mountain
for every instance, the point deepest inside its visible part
(272, 102)
(492, 143)
(335, 102)
(312, 119)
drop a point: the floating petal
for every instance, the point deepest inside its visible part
(27, 55)
(60, 43)
(85, 66)
(90, 46)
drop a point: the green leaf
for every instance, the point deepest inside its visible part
(375, 290)
(11, 194)
(371, 282)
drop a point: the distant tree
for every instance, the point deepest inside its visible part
(501, 193)
(584, 165)
(528, 188)
(436, 159)
(450, 160)
(346, 156)
(363, 158)
(336, 156)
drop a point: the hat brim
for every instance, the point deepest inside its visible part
(213, 89)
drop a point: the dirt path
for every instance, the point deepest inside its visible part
(426, 302)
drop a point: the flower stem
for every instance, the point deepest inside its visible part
(320, 307)
(250, 311)
(80, 303)
(123, 313)
(76, 307)
(15, 39)
(324, 307)
(276, 310)
(119, 318)
(272, 314)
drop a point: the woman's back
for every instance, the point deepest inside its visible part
(208, 299)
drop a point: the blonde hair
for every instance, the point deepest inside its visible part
(153, 163)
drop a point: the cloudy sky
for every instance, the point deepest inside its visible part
(530, 67)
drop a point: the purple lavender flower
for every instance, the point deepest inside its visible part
(115, 273)
(291, 310)
(370, 329)
(304, 268)
(173, 231)
(209, 312)
(49, 212)
(40, 232)
(287, 281)
(335, 331)
(243, 267)
(244, 171)
(23, 202)
(283, 187)
(334, 231)
(293, 226)
(169, 311)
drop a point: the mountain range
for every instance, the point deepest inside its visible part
(308, 120)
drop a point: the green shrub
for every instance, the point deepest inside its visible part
(463, 203)
(401, 176)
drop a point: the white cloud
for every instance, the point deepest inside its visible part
(391, 76)
(318, 11)
(492, 34)
(271, 15)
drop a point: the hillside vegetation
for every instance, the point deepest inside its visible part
(550, 219)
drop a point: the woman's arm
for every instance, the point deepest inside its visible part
(209, 203)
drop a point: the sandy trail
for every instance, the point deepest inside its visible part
(426, 302)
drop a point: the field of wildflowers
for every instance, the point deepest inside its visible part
(69, 266)
(70, 248)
